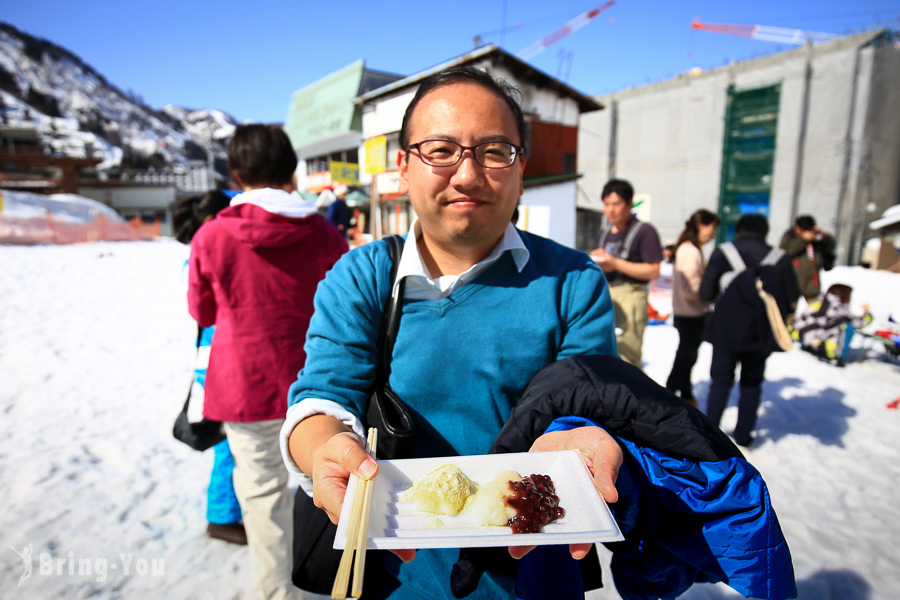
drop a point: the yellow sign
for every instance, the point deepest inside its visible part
(376, 155)
(344, 172)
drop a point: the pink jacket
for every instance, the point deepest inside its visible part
(686, 277)
(253, 275)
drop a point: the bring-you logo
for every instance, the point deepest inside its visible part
(99, 569)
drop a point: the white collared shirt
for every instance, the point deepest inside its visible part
(420, 285)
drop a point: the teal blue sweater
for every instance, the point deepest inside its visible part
(461, 363)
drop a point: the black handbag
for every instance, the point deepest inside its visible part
(315, 560)
(386, 412)
(201, 435)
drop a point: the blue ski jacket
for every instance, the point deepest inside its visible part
(691, 508)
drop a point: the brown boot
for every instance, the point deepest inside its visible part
(232, 533)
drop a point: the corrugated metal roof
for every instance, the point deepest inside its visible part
(513, 63)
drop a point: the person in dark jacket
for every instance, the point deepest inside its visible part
(338, 211)
(811, 250)
(751, 231)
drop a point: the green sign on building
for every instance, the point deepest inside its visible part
(323, 109)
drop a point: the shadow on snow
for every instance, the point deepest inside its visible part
(784, 412)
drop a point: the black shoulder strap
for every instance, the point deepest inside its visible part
(390, 322)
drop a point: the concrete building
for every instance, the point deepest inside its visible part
(27, 163)
(552, 111)
(147, 201)
(814, 130)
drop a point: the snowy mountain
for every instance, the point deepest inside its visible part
(77, 112)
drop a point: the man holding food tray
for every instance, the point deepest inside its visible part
(485, 307)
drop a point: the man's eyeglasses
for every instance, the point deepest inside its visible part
(444, 153)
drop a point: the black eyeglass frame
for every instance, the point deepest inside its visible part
(517, 151)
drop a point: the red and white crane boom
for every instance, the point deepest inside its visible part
(574, 25)
(781, 35)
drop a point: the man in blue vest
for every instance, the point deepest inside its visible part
(629, 252)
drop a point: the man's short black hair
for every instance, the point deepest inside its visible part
(753, 224)
(261, 155)
(501, 88)
(620, 187)
(805, 222)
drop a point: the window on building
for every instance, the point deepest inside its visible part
(392, 146)
(317, 165)
(346, 156)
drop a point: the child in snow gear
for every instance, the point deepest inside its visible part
(822, 327)
(223, 511)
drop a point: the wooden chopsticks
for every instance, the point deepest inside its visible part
(357, 532)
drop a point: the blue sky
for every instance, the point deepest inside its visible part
(248, 58)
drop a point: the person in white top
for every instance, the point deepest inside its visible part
(689, 310)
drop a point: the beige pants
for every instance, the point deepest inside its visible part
(630, 301)
(261, 486)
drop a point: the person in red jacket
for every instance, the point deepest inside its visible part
(253, 273)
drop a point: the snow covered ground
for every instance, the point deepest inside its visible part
(96, 352)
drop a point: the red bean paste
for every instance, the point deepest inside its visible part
(536, 504)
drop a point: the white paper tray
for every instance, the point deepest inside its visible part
(395, 524)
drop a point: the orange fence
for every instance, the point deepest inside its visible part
(50, 229)
(146, 229)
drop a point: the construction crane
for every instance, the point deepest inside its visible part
(574, 25)
(766, 33)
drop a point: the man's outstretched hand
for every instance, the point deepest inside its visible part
(342, 455)
(602, 455)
